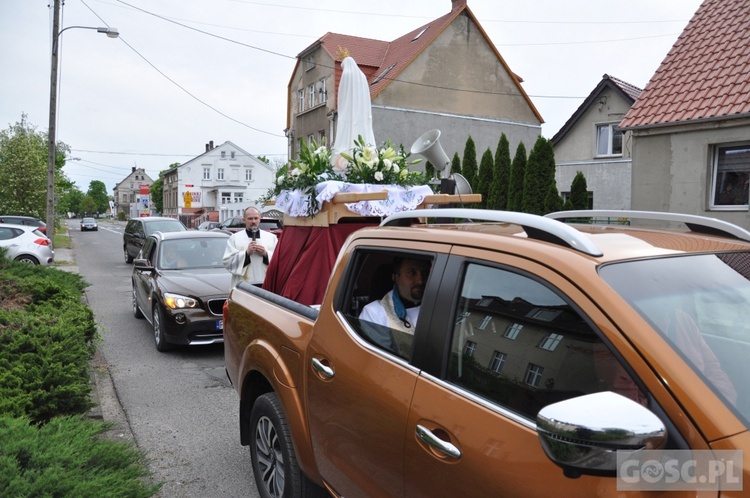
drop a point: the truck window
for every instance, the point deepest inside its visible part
(518, 343)
(386, 299)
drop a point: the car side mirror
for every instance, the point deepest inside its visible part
(582, 435)
(143, 265)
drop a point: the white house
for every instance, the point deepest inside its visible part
(222, 176)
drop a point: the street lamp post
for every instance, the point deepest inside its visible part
(52, 146)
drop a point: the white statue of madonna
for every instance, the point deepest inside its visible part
(354, 113)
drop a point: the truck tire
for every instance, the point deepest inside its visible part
(277, 474)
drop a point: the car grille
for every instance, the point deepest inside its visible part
(216, 306)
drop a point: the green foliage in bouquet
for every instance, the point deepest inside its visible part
(386, 166)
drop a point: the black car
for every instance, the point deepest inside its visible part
(180, 285)
(24, 220)
(89, 224)
(236, 223)
(138, 229)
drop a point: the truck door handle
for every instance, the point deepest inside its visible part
(322, 369)
(431, 439)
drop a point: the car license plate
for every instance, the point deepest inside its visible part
(220, 325)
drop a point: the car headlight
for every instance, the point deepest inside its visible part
(176, 301)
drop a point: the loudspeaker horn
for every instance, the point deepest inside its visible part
(463, 187)
(428, 145)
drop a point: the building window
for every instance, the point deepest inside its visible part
(731, 176)
(226, 197)
(310, 139)
(309, 62)
(231, 154)
(497, 362)
(322, 93)
(513, 330)
(608, 140)
(238, 197)
(223, 154)
(470, 348)
(550, 341)
(311, 93)
(220, 174)
(301, 100)
(485, 321)
(322, 137)
(248, 174)
(533, 375)
(206, 173)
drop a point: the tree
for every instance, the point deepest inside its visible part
(517, 173)
(539, 175)
(498, 198)
(579, 194)
(484, 177)
(552, 202)
(88, 205)
(469, 163)
(456, 164)
(98, 192)
(70, 201)
(23, 168)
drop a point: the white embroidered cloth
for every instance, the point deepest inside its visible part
(295, 202)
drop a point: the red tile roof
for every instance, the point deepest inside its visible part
(705, 74)
(384, 61)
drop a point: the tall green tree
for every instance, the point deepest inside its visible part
(98, 192)
(469, 163)
(552, 202)
(70, 201)
(456, 164)
(484, 177)
(539, 175)
(498, 198)
(579, 193)
(23, 169)
(89, 206)
(517, 174)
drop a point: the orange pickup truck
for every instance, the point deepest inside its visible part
(464, 352)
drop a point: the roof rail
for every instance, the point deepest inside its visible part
(536, 227)
(698, 224)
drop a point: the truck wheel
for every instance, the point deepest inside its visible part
(275, 467)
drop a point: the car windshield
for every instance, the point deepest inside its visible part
(189, 254)
(89, 220)
(163, 226)
(701, 305)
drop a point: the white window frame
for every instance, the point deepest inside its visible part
(470, 348)
(607, 149)
(513, 330)
(485, 321)
(726, 170)
(301, 101)
(248, 174)
(550, 341)
(237, 197)
(323, 94)
(533, 375)
(226, 197)
(220, 173)
(206, 173)
(497, 362)
(311, 95)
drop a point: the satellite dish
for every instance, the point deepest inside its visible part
(462, 185)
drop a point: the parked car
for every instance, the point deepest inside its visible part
(138, 229)
(236, 223)
(208, 225)
(25, 220)
(180, 286)
(89, 224)
(26, 244)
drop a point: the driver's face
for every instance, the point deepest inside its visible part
(411, 279)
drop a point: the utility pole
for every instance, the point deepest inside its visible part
(52, 142)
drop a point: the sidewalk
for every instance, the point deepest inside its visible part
(104, 396)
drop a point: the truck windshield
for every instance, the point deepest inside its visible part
(701, 305)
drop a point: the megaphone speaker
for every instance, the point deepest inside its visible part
(428, 146)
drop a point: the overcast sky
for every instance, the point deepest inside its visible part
(185, 72)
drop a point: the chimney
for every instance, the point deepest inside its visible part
(211, 143)
(133, 169)
(207, 149)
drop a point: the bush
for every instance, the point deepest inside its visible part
(67, 458)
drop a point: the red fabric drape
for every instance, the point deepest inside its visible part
(304, 259)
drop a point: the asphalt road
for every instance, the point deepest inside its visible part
(178, 406)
